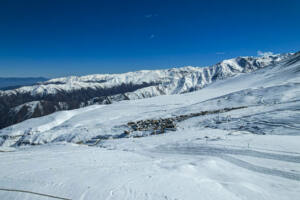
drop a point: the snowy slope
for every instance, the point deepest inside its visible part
(74, 92)
(267, 87)
(272, 87)
(250, 152)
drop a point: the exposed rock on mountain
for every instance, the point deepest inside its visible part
(74, 92)
(269, 99)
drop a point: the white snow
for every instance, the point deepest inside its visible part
(249, 153)
(171, 81)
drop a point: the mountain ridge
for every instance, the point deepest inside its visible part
(73, 92)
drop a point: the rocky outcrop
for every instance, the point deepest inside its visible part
(159, 126)
(156, 126)
(153, 126)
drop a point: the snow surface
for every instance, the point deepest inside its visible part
(248, 153)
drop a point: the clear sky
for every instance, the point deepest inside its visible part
(53, 38)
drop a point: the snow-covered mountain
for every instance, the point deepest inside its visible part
(74, 92)
(272, 84)
(236, 138)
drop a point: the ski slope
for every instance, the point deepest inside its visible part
(252, 152)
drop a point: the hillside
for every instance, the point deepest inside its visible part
(237, 138)
(69, 93)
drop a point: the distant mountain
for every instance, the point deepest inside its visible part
(261, 102)
(74, 92)
(14, 82)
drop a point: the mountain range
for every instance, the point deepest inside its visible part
(229, 131)
(74, 92)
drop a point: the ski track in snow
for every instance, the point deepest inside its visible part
(224, 153)
(249, 153)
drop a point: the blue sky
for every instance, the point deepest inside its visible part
(53, 38)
